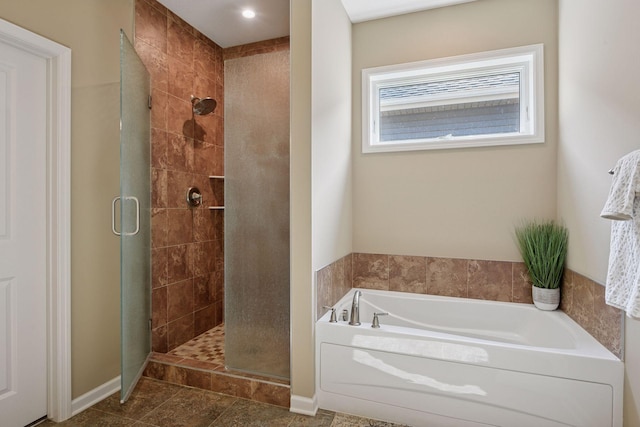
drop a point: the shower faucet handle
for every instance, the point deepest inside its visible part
(334, 318)
(194, 197)
(376, 323)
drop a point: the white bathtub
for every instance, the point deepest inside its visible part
(439, 361)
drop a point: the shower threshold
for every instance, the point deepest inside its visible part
(200, 363)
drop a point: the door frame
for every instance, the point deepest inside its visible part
(58, 188)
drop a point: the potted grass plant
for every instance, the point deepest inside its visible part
(543, 246)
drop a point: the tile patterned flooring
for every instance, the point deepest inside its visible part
(171, 403)
(160, 404)
(207, 347)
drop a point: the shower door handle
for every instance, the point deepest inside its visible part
(113, 216)
(135, 199)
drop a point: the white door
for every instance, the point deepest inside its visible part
(23, 246)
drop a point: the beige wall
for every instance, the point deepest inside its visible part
(452, 203)
(302, 344)
(320, 166)
(331, 132)
(91, 29)
(598, 111)
(461, 203)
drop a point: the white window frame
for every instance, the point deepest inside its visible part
(527, 60)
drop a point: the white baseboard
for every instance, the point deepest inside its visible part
(94, 396)
(304, 405)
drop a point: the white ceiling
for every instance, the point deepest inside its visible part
(366, 10)
(222, 22)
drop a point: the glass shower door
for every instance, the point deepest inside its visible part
(257, 214)
(135, 216)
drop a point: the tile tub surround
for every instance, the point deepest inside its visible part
(333, 282)
(490, 280)
(582, 298)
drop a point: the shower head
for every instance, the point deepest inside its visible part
(203, 106)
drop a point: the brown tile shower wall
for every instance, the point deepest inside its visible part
(267, 46)
(187, 243)
(582, 299)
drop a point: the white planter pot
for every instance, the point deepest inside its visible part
(546, 299)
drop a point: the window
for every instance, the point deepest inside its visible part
(490, 98)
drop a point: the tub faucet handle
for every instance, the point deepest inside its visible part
(376, 323)
(334, 318)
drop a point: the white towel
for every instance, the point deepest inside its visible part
(623, 206)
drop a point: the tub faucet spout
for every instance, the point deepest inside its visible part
(355, 309)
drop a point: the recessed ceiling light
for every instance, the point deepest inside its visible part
(248, 13)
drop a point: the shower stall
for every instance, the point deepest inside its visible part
(219, 201)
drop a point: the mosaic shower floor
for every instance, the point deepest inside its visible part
(207, 347)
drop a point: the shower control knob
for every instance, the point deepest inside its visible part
(376, 323)
(194, 197)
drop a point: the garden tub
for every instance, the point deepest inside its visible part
(442, 361)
